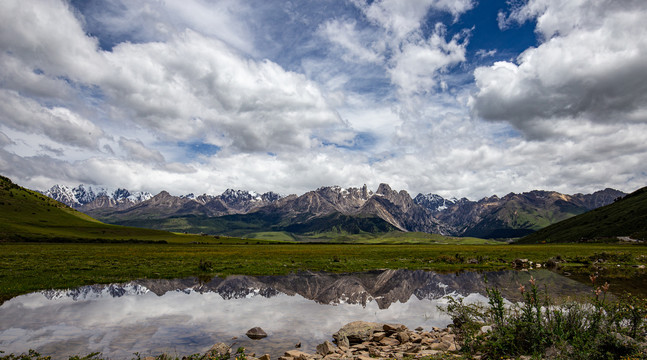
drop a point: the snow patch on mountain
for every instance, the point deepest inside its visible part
(434, 202)
(82, 195)
(87, 198)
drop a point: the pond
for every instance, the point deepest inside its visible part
(186, 316)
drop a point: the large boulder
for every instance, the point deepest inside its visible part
(356, 332)
(256, 333)
(326, 348)
(391, 329)
(297, 355)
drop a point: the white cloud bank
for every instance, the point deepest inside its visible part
(372, 98)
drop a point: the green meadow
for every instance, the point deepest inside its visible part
(27, 267)
(391, 237)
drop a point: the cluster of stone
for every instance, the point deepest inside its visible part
(363, 340)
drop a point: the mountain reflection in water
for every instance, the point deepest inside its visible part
(185, 316)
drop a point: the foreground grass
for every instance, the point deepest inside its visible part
(30, 267)
(601, 328)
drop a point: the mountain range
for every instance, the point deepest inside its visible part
(333, 209)
(29, 216)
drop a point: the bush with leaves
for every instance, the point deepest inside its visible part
(599, 329)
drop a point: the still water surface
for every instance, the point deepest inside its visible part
(188, 316)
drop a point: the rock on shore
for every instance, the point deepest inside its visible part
(256, 333)
(363, 340)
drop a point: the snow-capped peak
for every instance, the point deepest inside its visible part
(82, 194)
(433, 202)
(231, 196)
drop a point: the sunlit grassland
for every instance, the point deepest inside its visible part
(397, 237)
(391, 237)
(30, 267)
(272, 235)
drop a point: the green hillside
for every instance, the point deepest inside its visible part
(245, 224)
(524, 214)
(625, 217)
(334, 227)
(229, 225)
(26, 215)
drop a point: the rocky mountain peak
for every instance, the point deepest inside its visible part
(599, 198)
(384, 189)
(231, 193)
(162, 195)
(400, 199)
(270, 196)
(84, 195)
(433, 202)
(121, 194)
(62, 194)
(334, 192)
(165, 199)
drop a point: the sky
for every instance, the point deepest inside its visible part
(460, 98)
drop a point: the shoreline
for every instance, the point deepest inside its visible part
(360, 340)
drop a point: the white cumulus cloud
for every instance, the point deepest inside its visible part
(402, 17)
(346, 36)
(418, 64)
(590, 66)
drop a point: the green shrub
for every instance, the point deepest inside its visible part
(450, 259)
(31, 355)
(598, 329)
(205, 265)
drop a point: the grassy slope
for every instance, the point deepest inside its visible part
(518, 218)
(626, 217)
(230, 225)
(535, 218)
(258, 222)
(29, 216)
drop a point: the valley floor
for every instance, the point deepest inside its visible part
(28, 267)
